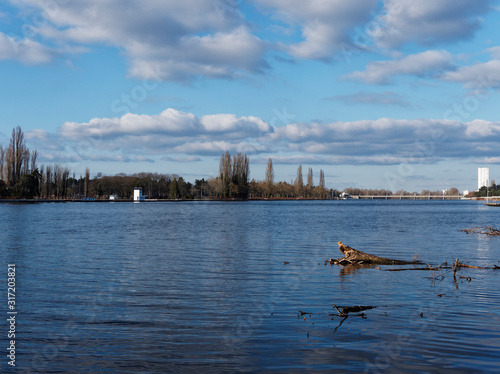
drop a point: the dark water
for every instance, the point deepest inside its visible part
(202, 287)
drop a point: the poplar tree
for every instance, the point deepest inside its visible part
(241, 172)
(310, 181)
(17, 156)
(321, 178)
(225, 173)
(87, 180)
(2, 159)
(299, 182)
(269, 180)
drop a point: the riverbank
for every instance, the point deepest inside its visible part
(392, 197)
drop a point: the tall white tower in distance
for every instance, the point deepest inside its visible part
(483, 177)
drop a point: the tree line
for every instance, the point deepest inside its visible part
(493, 190)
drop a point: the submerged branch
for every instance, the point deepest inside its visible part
(486, 230)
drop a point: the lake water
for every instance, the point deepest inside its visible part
(202, 286)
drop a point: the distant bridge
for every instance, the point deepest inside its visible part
(408, 197)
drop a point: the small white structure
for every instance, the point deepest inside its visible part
(113, 197)
(138, 196)
(345, 196)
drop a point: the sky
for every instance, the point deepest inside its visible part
(393, 94)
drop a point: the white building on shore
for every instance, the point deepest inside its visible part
(138, 196)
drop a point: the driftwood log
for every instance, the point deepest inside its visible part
(353, 256)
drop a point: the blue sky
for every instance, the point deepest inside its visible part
(379, 94)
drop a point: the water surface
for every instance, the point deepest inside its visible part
(179, 287)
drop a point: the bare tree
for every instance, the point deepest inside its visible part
(48, 181)
(310, 182)
(299, 182)
(269, 180)
(453, 191)
(2, 160)
(321, 178)
(269, 172)
(87, 180)
(225, 173)
(241, 172)
(18, 150)
(34, 156)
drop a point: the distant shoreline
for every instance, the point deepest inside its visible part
(39, 201)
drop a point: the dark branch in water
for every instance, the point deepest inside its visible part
(486, 230)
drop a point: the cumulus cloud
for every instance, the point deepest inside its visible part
(479, 76)
(184, 38)
(26, 51)
(333, 160)
(425, 64)
(494, 52)
(325, 25)
(428, 22)
(170, 122)
(386, 139)
(178, 136)
(171, 130)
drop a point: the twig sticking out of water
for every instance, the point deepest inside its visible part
(486, 230)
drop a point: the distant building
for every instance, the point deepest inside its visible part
(113, 197)
(483, 177)
(466, 193)
(138, 196)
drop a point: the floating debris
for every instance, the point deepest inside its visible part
(486, 230)
(353, 256)
(345, 310)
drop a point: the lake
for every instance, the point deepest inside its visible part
(203, 286)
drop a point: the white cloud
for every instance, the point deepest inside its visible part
(425, 140)
(488, 160)
(494, 52)
(219, 147)
(479, 76)
(170, 122)
(428, 22)
(26, 51)
(483, 129)
(325, 25)
(425, 64)
(175, 135)
(170, 131)
(183, 38)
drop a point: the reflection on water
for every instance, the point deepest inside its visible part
(174, 287)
